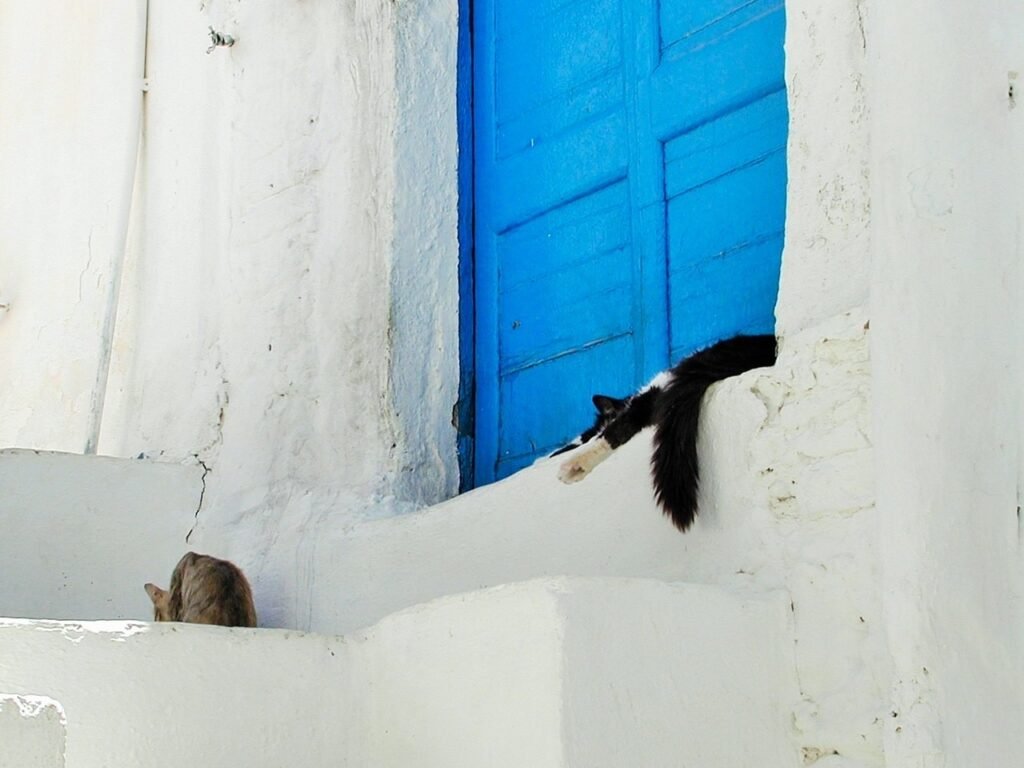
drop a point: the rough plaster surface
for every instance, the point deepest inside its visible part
(31, 732)
(67, 150)
(905, 160)
(82, 534)
(284, 318)
(632, 648)
(947, 160)
(424, 320)
(170, 694)
(809, 467)
(264, 227)
(562, 672)
(787, 504)
(826, 264)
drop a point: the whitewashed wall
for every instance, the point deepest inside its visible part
(288, 319)
(31, 732)
(70, 99)
(826, 265)
(947, 205)
(524, 675)
(787, 505)
(284, 316)
(899, 377)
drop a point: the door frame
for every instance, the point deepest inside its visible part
(464, 417)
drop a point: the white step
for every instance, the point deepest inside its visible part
(31, 732)
(556, 672)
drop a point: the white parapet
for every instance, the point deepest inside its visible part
(82, 534)
(31, 732)
(555, 672)
(583, 673)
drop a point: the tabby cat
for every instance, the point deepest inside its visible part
(205, 590)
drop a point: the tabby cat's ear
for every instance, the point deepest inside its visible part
(154, 592)
(608, 406)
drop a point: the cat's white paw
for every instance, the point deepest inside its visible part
(580, 465)
(572, 471)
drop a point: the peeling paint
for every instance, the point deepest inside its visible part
(73, 631)
(34, 706)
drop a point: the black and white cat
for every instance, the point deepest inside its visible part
(671, 403)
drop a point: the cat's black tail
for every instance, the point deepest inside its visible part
(674, 462)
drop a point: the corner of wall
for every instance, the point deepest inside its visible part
(826, 262)
(424, 323)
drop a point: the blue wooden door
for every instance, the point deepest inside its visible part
(629, 200)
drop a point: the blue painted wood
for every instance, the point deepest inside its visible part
(629, 200)
(465, 409)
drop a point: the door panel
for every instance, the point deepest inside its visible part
(629, 200)
(542, 395)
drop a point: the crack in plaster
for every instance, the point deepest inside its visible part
(860, 25)
(88, 264)
(223, 400)
(202, 495)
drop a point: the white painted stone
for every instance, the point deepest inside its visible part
(167, 694)
(31, 732)
(947, 160)
(300, 339)
(70, 101)
(772, 517)
(562, 672)
(826, 262)
(772, 443)
(676, 674)
(283, 315)
(424, 320)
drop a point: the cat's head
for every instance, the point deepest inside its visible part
(607, 409)
(161, 602)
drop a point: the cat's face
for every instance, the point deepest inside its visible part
(607, 409)
(161, 602)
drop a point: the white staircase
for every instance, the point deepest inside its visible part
(555, 672)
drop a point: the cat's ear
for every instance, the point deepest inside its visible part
(608, 406)
(154, 592)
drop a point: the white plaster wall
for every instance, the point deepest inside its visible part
(810, 462)
(284, 316)
(826, 264)
(31, 732)
(289, 319)
(788, 504)
(82, 534)
(947, 164)
(424, 321)
(581, 673)
(69, 97)
(676, 674)
(252, 239)
(165, 694)
(527, 526)
(909, 608)
(536, 674)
